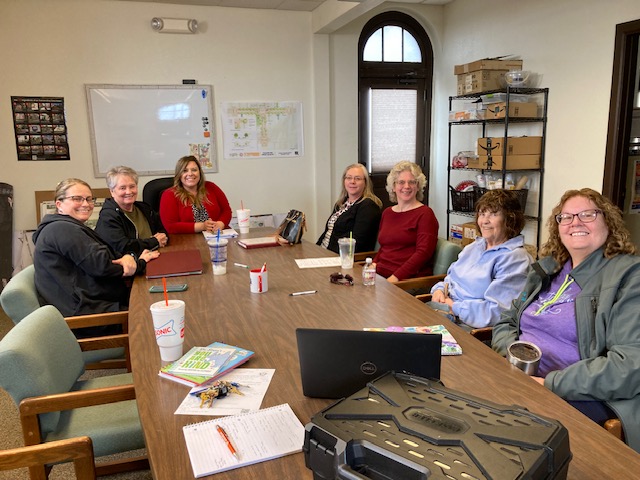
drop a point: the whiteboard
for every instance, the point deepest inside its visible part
(149, 127)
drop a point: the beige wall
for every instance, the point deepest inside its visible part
(54, 48)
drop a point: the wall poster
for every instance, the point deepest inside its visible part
(40, 128)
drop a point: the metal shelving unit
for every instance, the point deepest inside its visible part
(503, 125)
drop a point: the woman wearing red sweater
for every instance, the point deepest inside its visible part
(193, 205)
(408, 230)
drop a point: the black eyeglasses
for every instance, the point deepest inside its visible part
(79, 199)
(586, 216)
(340, 279)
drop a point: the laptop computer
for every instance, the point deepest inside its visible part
(337, 363)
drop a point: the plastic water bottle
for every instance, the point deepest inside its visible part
(369, 272)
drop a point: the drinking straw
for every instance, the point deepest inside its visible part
(350, 243)
(164, 287)
(217, 246)
(241, 205)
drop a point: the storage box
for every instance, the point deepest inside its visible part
(412, 428)
(488, 64)
(515, 146)
(514, 162)
(455, 234)
(469, 233)
(480, 81)
(516, 109)
(502, 97)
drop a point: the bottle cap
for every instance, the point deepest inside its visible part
(368, 260)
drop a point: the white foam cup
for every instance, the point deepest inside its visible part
(168, 323)
(243, 219)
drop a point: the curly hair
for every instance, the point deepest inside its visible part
(618, 241)
(368, 186)
(183, 195)
(507, 203)
(415, 170)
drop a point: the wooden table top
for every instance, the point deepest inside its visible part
(221, 308)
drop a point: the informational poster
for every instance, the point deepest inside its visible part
(40, 128)
(262, 129)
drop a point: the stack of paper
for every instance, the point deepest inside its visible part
(226, 233)
(203, 365)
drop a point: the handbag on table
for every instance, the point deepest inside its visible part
(292, 226)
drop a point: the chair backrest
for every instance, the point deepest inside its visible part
(77, 449)
(40, 356)
(446, 253)
(152, 191)
(19, 297)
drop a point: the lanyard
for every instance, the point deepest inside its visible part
(555, 298)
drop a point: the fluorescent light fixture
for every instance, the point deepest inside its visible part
(174, 25)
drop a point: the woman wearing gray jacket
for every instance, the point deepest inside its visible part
(581, 306)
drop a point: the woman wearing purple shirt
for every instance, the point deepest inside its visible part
(581, 306)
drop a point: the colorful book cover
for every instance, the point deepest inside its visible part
(237, 357)
(449, 344)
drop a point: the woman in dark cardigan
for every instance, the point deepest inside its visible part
(355, 214)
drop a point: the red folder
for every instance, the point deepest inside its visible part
(175, 263)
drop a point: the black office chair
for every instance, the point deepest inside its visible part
(153, 189)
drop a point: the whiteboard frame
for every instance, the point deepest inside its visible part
(213, 150)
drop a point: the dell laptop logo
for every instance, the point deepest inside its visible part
(368, 368)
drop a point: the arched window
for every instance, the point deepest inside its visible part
(395, 66)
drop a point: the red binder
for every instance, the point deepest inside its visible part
(175, 264)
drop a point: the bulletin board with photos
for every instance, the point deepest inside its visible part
(40, 128)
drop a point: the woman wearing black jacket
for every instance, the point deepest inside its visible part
(355, 214)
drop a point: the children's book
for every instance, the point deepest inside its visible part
(449, 344)
(237, 356)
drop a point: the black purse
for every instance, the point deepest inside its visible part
(292, 226)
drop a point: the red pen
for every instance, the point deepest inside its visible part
(225, 437)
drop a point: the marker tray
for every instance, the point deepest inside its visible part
(406, 427)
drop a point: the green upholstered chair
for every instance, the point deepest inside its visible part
(78, 450)
(445, 254)
(19, 299)
(41, 366)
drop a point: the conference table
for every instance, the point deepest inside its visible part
(221, 308)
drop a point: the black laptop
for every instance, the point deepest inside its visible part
(337, 363)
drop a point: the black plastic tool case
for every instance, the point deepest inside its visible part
(406, 427)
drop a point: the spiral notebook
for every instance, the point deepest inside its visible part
(257, 436)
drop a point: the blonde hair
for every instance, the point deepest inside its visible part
(65, 185)
(618, 241)
(368, 187)
(183, 195)
(406, 166)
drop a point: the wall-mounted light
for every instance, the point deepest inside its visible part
(174, 25)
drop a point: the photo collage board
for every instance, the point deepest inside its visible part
(40, 128)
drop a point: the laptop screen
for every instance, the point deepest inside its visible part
(337, 363)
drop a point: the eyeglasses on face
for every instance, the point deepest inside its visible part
(354, 179)
(340, 279)
(411, 183)
(79, 199)
(586, 216)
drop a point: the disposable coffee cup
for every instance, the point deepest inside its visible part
(524, 355)
(243, 219)
(259, 280)
(347, 249)
(168, 323)
(218, 253)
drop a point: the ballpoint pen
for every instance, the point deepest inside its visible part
(308, 292)
(241, 265)
(225, 437)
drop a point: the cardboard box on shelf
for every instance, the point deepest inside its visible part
(488, 64)
(514, 162)
(516, 109)
(469, 233)
(455, 234)
(480, 81)
(515, 146)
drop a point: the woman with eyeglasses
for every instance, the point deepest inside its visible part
(356, 213)
(75, 270)
(491, 271)
(581, 307)
(408, 231)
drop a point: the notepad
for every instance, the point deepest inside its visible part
(257, 436)
(259, 242)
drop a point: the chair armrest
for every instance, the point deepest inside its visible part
(77, 449)
(362, 256)
(99, 319)
(424, 297)
(483, 334)
(420, 282)
(614, 427)
(107, 341)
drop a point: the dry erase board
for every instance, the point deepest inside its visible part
(149, 127)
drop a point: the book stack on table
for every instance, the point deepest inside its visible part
(203, 365)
